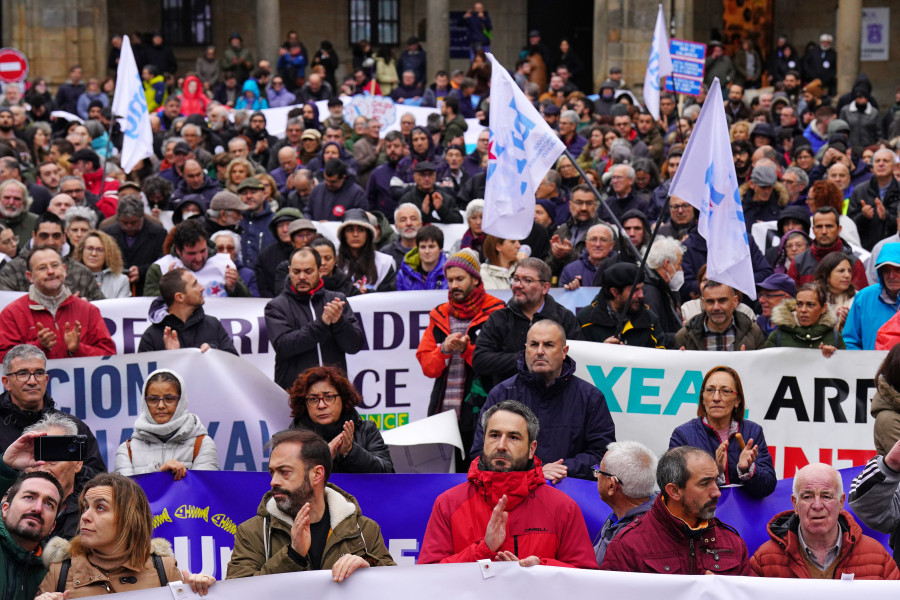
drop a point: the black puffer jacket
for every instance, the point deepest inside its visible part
(199, 329)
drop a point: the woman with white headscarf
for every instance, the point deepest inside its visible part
(166, 436)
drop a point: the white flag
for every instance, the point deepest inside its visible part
(130, 107)
(522, 149)
(658, 65)
(706, 179)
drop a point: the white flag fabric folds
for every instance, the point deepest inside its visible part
(522, 148)
(130, 107)
(706, 180)
(658, 65)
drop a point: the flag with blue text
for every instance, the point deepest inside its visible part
(130, 108)
(522, 148)
(658, 65)
(706, 180)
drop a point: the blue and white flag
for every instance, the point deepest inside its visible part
(522, 149)
(130, 107)
(658, 65)
(706, 180)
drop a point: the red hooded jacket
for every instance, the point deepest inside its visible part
(543, 521)
(196, 103)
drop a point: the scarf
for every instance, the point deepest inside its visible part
(51, 303)
(475, 242)
(145, 423)
(820, 252)
(312, 291)
(471, 306)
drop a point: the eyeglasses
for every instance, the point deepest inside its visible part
(525, 280)
(23, 376)
(13, 241)
(93, 249)
(598, 472)
(724, 392)
(168, 400)
(46, 236)
(328, 399)
(679, 207)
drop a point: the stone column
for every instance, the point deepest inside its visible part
(268, 30)
(849, 32)
(438, 30)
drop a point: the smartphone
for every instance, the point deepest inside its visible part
(60, 447)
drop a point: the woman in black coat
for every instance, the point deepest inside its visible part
(323, 400)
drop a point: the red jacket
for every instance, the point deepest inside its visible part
(543, 521)
(861, 555)
(434, 362)
(18, 325)
(659, 542)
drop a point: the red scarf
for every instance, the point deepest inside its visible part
(471, 306)
(311, 291)
(820, 252)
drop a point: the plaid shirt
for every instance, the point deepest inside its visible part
(713, 340)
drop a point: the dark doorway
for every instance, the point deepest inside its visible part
(569, 19)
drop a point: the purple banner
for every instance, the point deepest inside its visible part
(200, 513)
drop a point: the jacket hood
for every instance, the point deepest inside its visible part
(779, 190)
(886, 398)
(251, 86)
(181, 419)
(515, 485)
(341, 505)
(890, 253)
(184, 87)
(797, 213)
(59, 549)
(783, 527)
(785, 316)
(429, 154)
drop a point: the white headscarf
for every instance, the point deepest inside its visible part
(145, 422)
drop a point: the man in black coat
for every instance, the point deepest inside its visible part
(186, 325)
(140, 241)
(308, 325)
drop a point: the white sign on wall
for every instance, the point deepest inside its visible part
(876, 34)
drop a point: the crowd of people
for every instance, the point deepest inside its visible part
(226, 209)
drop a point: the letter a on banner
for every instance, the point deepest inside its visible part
(130, 108)
(522, 149)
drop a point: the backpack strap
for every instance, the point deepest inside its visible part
(160, 569)
(63, 575)
(128, 446)
(198, 441)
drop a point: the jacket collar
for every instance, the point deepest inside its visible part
(517, 486)
(341, 506)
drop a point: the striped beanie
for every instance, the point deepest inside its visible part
(467, 260)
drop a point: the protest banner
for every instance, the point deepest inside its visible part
(239, 405)
(200, 514)
(509, 581)
(811, 408)
(688, 67)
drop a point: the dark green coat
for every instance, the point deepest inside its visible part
(788, 334)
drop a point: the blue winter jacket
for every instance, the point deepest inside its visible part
(700, 435)
(410, 278)
(871, 307)
(575, 422)
(256, 103)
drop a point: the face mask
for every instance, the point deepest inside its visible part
(676, 281)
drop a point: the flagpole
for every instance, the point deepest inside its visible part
(112, 119)
(612, 217)
(621, 316)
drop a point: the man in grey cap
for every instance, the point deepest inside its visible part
(225, 212)
(256, 220)
(759, 202)
(301, 232)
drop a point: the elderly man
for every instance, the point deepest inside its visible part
(186, 325)
(30, 509)
(545, 382)
(680, 534)
(25, 401)
(568, 132)
(622, 199)
(139, 239)
(873, 205)
(599, 244)
(305, 523)
(503, 337)
(760, 202)
(288, 163)
(600, 320)
(720, 326)
(818, 539)
(50, 316)
(774, 290)
(14, 204)
(505, 511)
(308, 325)
(407, 222)
(625, 480)
(48, 232)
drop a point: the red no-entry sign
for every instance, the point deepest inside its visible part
(13, 65)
